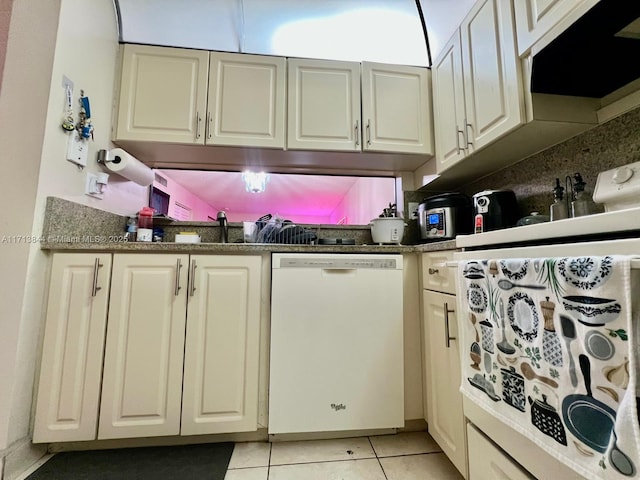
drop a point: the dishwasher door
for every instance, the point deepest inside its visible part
(336, 343)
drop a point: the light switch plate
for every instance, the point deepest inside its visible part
(77, 149)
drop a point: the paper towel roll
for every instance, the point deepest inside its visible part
(126, 166)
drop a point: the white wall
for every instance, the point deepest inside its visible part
(442, 18)
(83, 47)
(200, 210)
(23, 100)
(365, 201)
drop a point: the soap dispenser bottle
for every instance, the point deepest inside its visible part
(583, 203)
(559, 208)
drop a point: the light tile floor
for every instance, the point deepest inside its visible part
(405, 456)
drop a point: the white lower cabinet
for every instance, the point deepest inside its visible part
(442, 373)
(444, 402)
(142, 379)
(69, 384)
(220, 387)
(488, 462)
(153, 300)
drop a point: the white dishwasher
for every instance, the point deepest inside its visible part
(336, 343)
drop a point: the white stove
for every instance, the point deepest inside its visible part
(615, 222)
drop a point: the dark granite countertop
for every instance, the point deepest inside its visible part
(247, 248)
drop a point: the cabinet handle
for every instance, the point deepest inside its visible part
(447, 335)
(458, 132)
(178, 268)
(433, 271)
(369, 132)
(357, 130)
(209, 129)
(198, 122)
(95, 287)
(192, 278)
(467, 126)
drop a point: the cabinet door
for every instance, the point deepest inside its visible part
(246, 100)
(142, 380)
(488, 462)
(323, 105)
(492, 78)
(534, 18)
(444, 403)
(222, 345)
(435, 273)
(69, 384)
(396, 109)
(163, 94)
(448, 105)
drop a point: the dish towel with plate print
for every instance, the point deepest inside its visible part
(549, 347)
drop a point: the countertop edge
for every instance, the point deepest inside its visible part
(249, 248)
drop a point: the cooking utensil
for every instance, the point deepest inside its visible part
(546, 419)
(569, 334)
(473, 322)
(475, 355)
(484, 385)
(551, 348)
(487, 335)
(513, 388)
(530, 374)
(487, 362)
(503, 345)
(598, 346)
(588, 419)
(505, 284)
(620, 461)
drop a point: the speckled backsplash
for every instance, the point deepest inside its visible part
(604, 147)
(67, 222)
(70, 222)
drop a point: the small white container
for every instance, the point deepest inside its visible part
(387, 230)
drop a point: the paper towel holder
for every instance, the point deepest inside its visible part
(104, 156)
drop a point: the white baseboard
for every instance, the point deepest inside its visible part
(20, 456)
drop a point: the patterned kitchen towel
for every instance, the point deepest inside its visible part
(553, 346)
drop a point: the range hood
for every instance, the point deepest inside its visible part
(595, 56)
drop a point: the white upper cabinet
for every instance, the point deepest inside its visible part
(323, 105)
(142, 379)
(448, 105)
(163, 94)
(491, 84)
(246, 100)
(492, 81)
(396, 109)
(534, 18)
(71, 371)
(220, 389)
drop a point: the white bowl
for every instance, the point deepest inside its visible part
(592, 311)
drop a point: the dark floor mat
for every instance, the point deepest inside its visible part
(186, 462)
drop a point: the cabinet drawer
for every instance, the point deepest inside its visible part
(488, 462)
(435, 273)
